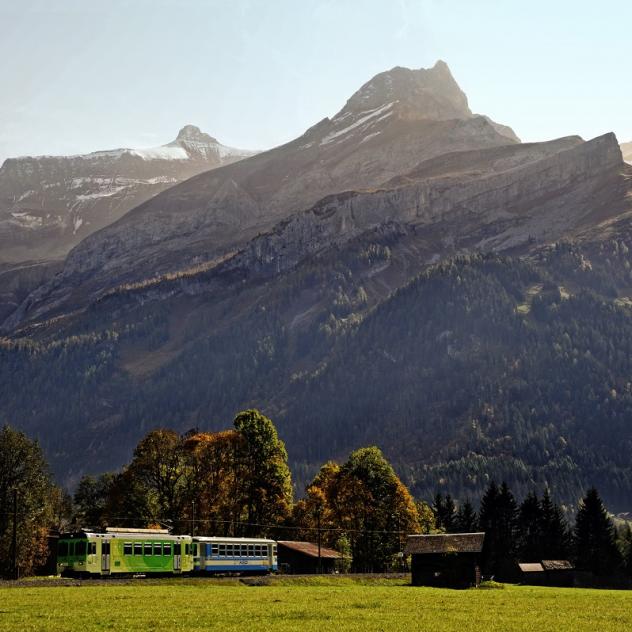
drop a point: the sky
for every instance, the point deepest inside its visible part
(83, 75)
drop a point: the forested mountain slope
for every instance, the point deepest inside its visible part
(468, 311)
(481, 367)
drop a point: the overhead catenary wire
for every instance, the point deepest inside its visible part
(168, 522)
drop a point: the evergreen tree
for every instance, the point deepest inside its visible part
(498, 521)
(445, 512)
(556, 538)
(466, 520)
(628, 552)
(530, 529)
(595, 545)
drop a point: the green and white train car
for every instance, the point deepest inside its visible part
(124, 552)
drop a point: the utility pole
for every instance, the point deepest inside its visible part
(192, 517)
(320, 569)
(14, 547)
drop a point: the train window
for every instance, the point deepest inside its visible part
(127, 548)
(177, 548)
(187, 549)
(166, 549)
(138, 548)
(71, 549)
(157, 548)
(196, 550)
(92, 548)
(222, 550)
(147, 549)
(215, 549)
(252, 550)
(62, 549)
(274, 549)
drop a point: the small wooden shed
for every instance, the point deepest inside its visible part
(531, 574)
(450, 560)
(302, 557)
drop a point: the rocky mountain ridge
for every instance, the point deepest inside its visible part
(48, 204)
(392, 123)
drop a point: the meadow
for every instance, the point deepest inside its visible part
(305, 604)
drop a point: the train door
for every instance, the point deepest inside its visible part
(105, 556)
(177, 556)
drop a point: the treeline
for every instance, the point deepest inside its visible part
(536, 530)
(234, 483)
(237, 483)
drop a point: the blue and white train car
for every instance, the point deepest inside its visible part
(234, 555)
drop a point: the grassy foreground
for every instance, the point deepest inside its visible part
(308, 604)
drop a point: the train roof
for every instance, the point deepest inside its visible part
(120, 534)
(220, 540)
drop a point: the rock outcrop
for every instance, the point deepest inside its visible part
(48, 204)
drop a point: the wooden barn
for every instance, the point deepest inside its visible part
(302, 557)
(559, 572)
(450, 560)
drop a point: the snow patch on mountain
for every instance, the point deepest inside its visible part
(166, 152)
(365, 118)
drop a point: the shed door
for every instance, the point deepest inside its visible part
(105, 556)
(177, 556)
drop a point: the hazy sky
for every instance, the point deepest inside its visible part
(82, 75)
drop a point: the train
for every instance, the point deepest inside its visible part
(123, 552)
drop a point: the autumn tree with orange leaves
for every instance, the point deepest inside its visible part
(363, 501)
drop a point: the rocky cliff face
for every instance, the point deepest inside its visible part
(48, 204)
(395, 121)
(507, 199)
(500, 199)
(513, 198)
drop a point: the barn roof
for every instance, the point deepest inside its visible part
(445, 543)
(557, 565)
(310, 549)
(531, 567)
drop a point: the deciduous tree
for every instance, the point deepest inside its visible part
(23, 472)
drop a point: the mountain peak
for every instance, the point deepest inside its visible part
(193, 133)
(424, 93)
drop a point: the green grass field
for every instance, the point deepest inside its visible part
(307, 604)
